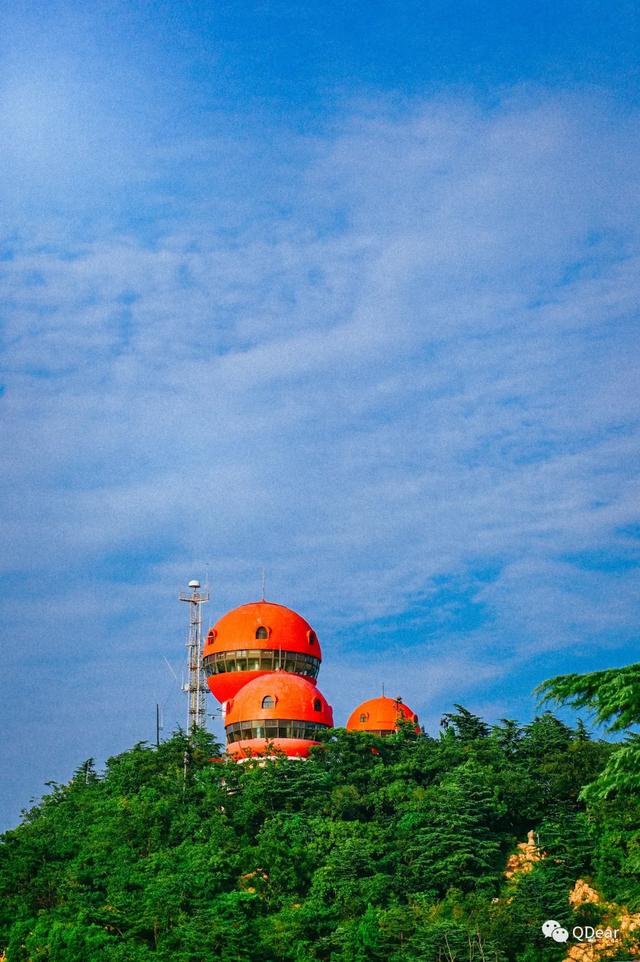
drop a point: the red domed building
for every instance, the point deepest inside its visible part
(256, 639)
(381, 716)
(261, 660)
(278, 710)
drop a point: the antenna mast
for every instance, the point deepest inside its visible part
(195, 686)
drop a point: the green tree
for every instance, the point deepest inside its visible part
(447, 837)
(466, 726)
(613, 695)
(375, 848)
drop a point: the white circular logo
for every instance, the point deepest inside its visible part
(549, 926)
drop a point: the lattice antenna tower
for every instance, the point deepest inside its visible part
(195, 685)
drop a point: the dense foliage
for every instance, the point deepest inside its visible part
(375, 849)
(613, 696)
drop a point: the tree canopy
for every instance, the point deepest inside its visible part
(374, 849)
(613, 697)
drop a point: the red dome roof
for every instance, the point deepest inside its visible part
(276, 709)
(255, 639)
(380, 715)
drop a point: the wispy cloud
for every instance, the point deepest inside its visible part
(409, 356)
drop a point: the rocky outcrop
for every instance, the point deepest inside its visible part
(524, 858)
(617, 919)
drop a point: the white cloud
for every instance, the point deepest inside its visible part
(428, 365)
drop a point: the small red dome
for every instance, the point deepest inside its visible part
(380, 716)
(278, 709)
(255, 639)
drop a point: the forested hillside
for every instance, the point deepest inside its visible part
(375, 849)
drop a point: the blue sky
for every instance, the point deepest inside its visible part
(346, 291)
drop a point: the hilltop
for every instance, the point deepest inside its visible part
(393, 849)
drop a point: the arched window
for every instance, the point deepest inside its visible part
(317, 705)
(268, 701)
(262, 633)
(363, 718)
(313, 638)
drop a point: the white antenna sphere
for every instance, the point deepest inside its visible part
(194, 584)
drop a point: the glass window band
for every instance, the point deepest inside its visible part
(222, 662)
(271, 728)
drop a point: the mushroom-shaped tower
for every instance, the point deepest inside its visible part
(255, 639)
(381, 716)
(278, 710)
